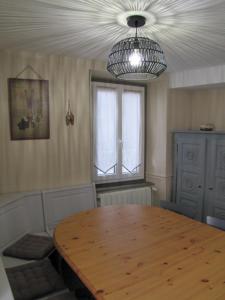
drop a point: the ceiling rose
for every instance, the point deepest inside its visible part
(136, 58)
(150, 18)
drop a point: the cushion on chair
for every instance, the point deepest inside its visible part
(30, 247)
(34, 280)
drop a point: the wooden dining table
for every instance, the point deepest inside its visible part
(143, 253)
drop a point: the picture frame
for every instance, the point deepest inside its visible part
(29, 109)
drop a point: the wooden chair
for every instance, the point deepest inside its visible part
(178, 208)
(215, 222)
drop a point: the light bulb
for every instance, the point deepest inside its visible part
(135, 58)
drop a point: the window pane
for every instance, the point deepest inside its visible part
(131, 132)
(106, 131)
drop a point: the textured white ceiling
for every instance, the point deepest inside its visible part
(191, 32)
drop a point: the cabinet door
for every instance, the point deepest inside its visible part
(189, 174)
(215, 178)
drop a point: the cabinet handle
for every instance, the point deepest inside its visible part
(210, 188)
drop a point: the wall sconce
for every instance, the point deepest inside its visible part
(69, 116)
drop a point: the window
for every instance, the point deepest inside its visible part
(118, 132)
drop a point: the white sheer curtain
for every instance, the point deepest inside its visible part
(131, 132)
(106, 131)
(118, 132)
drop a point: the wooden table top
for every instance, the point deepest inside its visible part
(137, 252)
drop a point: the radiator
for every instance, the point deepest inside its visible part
(140, 195)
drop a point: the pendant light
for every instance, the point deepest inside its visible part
(136, 58)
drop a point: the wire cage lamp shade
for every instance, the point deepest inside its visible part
(136, 58)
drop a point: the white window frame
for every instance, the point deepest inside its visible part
(119, 176)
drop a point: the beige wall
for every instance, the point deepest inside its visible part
(176, 109)
(179, 118)
(64, 159)
(167, 110)
(156, 136)
(208, 106)
(188, 109)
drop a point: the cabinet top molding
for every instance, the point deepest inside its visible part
(199, 131)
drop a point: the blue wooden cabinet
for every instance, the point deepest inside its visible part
(199, 172)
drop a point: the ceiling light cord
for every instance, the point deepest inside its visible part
(136, 26)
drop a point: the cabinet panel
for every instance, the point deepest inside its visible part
(189, 182)
(190, 168)
(215, 177)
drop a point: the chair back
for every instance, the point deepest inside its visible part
(178, 208)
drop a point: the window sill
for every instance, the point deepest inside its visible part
(107, 187)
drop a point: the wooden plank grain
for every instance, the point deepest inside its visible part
(138, 252)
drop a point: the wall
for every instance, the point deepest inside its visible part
(213, 75)
(208, 106)
(203, 101)
(167, 110)
(187, 109)
(176, 109)
(178, 117)
(64, 159)
(40, 211)
(156, 135)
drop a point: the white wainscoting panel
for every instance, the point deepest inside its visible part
(13, 222)
(20, 214)
(5, 289)
(35, 215)
(40, 211)
(59, 204)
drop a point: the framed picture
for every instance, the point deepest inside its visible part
(29, 109)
